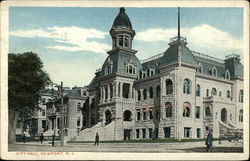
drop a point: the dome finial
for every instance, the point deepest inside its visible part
(122, 9)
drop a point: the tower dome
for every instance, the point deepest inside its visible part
(122, 19)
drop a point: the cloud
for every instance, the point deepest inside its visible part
(69, 38)
(203, 36)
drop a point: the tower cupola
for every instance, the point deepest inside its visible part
(122, 32)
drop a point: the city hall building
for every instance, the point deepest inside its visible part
(176, 94)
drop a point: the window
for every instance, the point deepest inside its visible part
(92, 119)
(207, 94)
(158, 91)
(187, 132)
(197, 112)
(125, 90)
(228, 94)
(148, 72)
(186, 110)
(187, 86)
(130, 69)
(143, 133)
(198, 90)
(150, 114)
(137, 133)
(227, 75)
(214, 72)
(168, 107)
(167, 132)
(150, 133)
(140, 74)
(43, 112)
(138, 115)
(126, 41)
(43, 100)
(152, 73)
(207, 111)
(198, 132)
(223, 115)
(79, 107)
(144, 114)
(220, 94)
(120, 41)
(65, 121)
(145, 94)
(241, 96)
(78, 121)
(127, 116)
(108, 117)
(214, 92)
(139, 95)
(169, 86)
(241, 116)
(151, 93)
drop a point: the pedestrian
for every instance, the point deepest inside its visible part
(24, 138)
(41, 138)
(53, 140)
(96, 139)
(209, 141)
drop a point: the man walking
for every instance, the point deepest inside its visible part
(96, 139)
(41, 138)
(209, 141)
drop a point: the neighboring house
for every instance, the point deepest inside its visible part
(48, 117)
(177, 94)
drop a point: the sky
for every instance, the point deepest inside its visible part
(72, 42)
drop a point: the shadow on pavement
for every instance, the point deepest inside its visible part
(217, 149)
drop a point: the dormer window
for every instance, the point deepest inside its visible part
(199, 69)
(129, 66)
(214, 72)
(227, 75)
(108, 67)
(126, 41)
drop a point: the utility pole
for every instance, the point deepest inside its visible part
(61, 115)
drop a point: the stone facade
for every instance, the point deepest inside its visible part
(174, 95)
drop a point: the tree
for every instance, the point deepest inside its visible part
(26, 78)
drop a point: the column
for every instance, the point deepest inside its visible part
(121, 89)
(101, 94)
(108, 92)
(104, 93)
(130, 90)
(114, 90)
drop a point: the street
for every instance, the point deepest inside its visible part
(183, 147)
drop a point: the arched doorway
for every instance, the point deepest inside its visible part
(127, 116)
(108, 117)
(223, 115)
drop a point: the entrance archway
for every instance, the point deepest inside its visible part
(223, 115)
(108, 117)
(127, 116)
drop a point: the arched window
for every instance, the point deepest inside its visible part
(145, 94)
(223, 115)
(148, 72)
(108, 117)
(130, 69)
(151, 93)
(120, 41)
(187, 86)
(207, 94)
(207, 111)
(228, 94)
(139, 95)
(158, 91)
(241, 115)
(214, 92)
(168, 107)
(214, 72)
(169, 86)
(227, 75)
(79, 106)
(198, 90)
(127, 116)
(126, 41)
(186, 109)
(241, 96)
